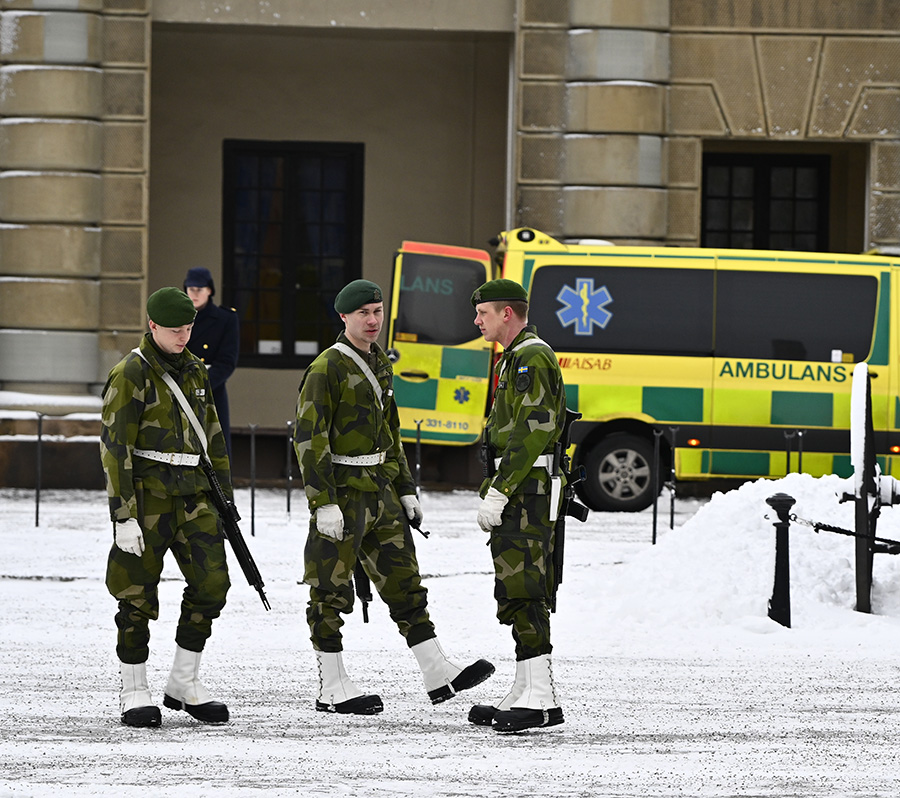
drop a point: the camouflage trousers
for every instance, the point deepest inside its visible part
(523, 567)
(189, 527)
(377, 534)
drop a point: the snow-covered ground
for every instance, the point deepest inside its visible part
(673, 680)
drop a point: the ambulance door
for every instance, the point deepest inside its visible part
(442, 364)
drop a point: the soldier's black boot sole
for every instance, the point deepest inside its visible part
(148, 717)
(210, 712)
(482, 714)
(468, 677)
(516, 720)
(361, 705)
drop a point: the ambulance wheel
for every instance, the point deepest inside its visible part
(619, 474)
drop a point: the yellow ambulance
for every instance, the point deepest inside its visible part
(738, 363)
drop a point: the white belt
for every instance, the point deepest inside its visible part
(546, 461)
(360, 460)
(172, 458)
(543, 461)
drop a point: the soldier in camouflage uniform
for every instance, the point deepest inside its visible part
(362, 499)
(158, 500)
(521, 500)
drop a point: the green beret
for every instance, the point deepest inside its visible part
(356, 294)
(499, 291)
(170, 307)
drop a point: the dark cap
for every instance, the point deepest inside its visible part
(499, 291)
(200, 277)
(356, 294)
(170, 307)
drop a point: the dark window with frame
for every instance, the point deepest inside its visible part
(766, 201)
(292, 224)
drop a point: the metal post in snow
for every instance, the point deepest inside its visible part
(657, 434)
(253, 428)
(671, 483)
(38, 470)
(289, 465)
(780, 603)
(800, 434)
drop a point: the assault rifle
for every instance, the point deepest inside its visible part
(569, 506)
(229, 514)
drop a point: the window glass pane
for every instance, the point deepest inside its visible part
(246, 171)
(628, 310)
(781, 215)
(806, 216)
(438, 289)
(716, 214)
(334, 174)
(742, 240)
(742, 181)
(782, 181)
(742, 215)
(791, 316)
(717, 181)
(807, 183)
(271, 172)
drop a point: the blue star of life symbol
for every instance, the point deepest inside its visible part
(461, 395)
(584, 307)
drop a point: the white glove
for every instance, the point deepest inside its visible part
(330, 521)
(129, 537)
(490, 513)
(413, 509)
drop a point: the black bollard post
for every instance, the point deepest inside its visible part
(253, 428)
(671, 483)
(657, 434)
(39, 469)
(290, 466)
(780, 603)
(800, 434)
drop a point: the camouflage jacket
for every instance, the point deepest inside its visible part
(139, 412)
(527, 416)
(339, 413)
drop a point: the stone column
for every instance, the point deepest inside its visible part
(593, 77)
(66, 185)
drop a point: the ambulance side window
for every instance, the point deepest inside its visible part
(435, 299)
(794, 316)
(624, 309)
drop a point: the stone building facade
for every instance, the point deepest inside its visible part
(582, 118)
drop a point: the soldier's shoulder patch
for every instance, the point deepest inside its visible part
(523, 379)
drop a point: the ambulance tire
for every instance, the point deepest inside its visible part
(619, 474)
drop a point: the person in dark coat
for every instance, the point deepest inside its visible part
(215, 340)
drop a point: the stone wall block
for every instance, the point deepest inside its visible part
(126, 41)
(543, 54)
(47, 356)
(695, 111)
(540, 158)
(884, 222)
(51, 91)
(122, 305)
(613, 160)
(124, 199)
(125, 93)
(51, 37)
(604, 212)
(544, 12)
(50, 304)
(788, 68)
(124, 146)
(63, 197)
(124, 251)
(54, 5)
(541, 106)
(615, 107)
(685, 161)
(541, 208)
(50, 144)
(886, 165)
(683, 206)
(618, 54)
(643, 14)
(44, 250)
(877, 114)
